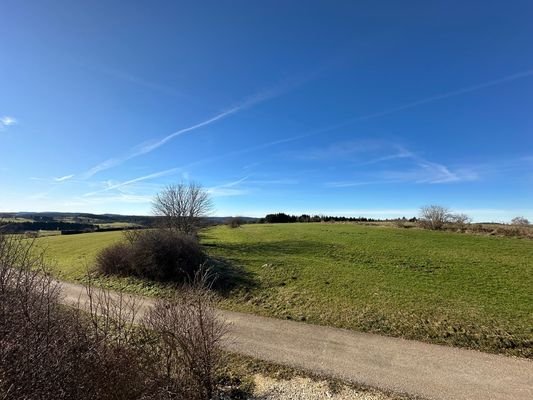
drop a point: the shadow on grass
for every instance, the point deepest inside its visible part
(228, 276)
(277, 247)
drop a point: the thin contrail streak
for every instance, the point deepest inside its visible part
(148, 147)
(140, 179)
(431, 99)
(143, 149)
(416, 103)
(453, 93)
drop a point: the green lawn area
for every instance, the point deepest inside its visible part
(71, 255)
(464, 290)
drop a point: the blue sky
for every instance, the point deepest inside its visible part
(370, 108)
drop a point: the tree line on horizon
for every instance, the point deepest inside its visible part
(280, 218)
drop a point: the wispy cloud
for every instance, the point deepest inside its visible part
(108, 199)
(439, 173)
(136, 80)
(427, 172)
(413, 168)
(343, 149)
(273, 181)
(39, 196)
(347, 184)
(64, 178)
(401, 152)
(422, 173)
(228, 189)
(6, 121)
(365, 151)
(234, 188)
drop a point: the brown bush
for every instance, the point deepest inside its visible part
(459, 221)
(47, 351)
(235, 222)
(166, 256)
(189, 335)
(160, 255)
(115, 260)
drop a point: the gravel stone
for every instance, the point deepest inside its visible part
(307, 389)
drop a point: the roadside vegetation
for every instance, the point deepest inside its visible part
(103, 349)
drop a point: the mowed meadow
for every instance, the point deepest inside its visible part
(459, 289)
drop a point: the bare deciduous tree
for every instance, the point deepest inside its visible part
(460, 220)
(434, 217)
(522, 221)
(182, 206)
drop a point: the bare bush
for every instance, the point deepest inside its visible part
(47, 351)
(96, 351)
(520, 221)
(434, 217)
(112, 315)
(190, 333)
(235, 222)
(401, 223)
(182, 206)
(459, 220)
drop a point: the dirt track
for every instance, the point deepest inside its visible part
(416, 368)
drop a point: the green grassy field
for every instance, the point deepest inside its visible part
(464, 290)
(118, 225)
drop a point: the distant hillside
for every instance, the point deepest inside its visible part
(30, 221)
(79, 218)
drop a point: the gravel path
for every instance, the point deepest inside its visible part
(392, 364)
(307, 389)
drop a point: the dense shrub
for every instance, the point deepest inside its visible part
(159, 254)
(235, 222)
(166, 256)
(115, 260)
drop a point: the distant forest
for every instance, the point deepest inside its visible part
(69, 223)
(282, 218)
(20, 227)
